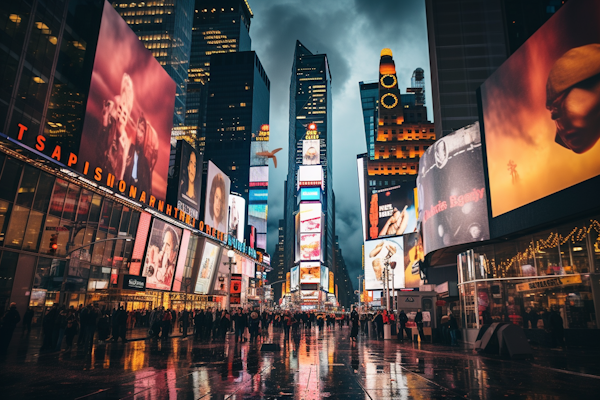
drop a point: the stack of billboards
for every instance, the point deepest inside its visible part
(259, 186)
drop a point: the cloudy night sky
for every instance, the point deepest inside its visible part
(352, 34)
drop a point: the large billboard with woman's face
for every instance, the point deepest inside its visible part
(190, 179)
(217, 198)
(129, 114)
(161, 255)
(541, 111)
(208, 265)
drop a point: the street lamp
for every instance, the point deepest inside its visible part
(230, 255)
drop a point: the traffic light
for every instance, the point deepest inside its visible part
(53, 244)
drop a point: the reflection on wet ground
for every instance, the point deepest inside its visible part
(313, 366)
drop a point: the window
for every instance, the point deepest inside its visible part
(26, 190)
(16, 228)
(43, 192)
(5, 208)
(417, 148)
(10, 179)
(58, 197)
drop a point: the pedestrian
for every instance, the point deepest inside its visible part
(89, 323)
(402, 320)
(166, 324)
(61, 325)
(185, 321)
(27, 318)
(199, 324)
(453, 328)
(103, 327)
(557, 329)
(253, 326)
(224, 325)
(379, 324)
(9, 322)
(71, 329)
(354, 318)
(48, 328)
(419, 322)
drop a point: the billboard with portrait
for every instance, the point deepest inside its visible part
(451, 188)
(161, 255)
(310, 246)
(189, 178)
(129, 112)
(310, 272)
(311, 152)
(217, 198)
(208, 265)
(294, 278)
(324, 278)
(550, 89)
(310, 217)
(413, 255)
(392, 211)
(379, 255)
(237, 216)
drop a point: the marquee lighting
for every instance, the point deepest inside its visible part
(385, 78)
(394, 100)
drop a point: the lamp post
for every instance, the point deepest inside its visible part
(230, 255)
(360, 290)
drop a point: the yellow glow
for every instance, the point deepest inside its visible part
(53, 39)
(386, 52)
(389, 95)
(395, 81)
(15, 18)
(37, 79)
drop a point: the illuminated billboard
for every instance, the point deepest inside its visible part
(541, 113)
(310, 175)
(178, 283)
(261, 241)
(257, 217)
(392, 211)
(208, 265)
(413, 254)
(310, 294)
(451, 187)
(331, 282)
(129, 113)
(380, 255)
(310, 246)
(139, 246)
(185, 180)
(324, 284)
(310, 217)
(311, 152)
(310, 194)
(237, 216)
(287, 283)
(259, 176)
(217, 198)
(258, 195)
(295, 278)
(161, 255)
(310, 272)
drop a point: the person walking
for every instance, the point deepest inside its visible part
(71, 329)
(224, 325)
(89, 323)
(379, 324)
(402, 320)
(453, 328)
(27, 318)
(9, 322)
(48, 328)
(166, 324)
(61, 325)
(354, 318)
(254, 322)
(185, 321)
(419, 322)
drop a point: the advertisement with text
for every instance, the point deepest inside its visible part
(392, 211)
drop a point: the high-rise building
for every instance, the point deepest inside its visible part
(219, 27)
(165, 29)
(468, 41)
(237, 109)
(278, 263)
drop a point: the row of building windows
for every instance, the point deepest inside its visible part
(396, 168)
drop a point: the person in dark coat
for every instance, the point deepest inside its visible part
(89, 322)
(253, 325)
(354, 318)
(402, 320)
(419, 322)
(557, 329)
(185, 321)
(224, 325)
(48, 328)
(72, 327)
(9, 322)
(199, 324)
(27, 318)
(379, 323)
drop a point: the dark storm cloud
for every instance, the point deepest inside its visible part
(352, 34)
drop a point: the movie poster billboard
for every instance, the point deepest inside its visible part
(380, 255)
(392, 211)
(310, 272)
(310, 246)
(237, 216)
(451, 187)
(413, 255)
(208, 264)
(129, 112)
(549, 90)
(217, 198)
(310, 217)
(189, 179)
(161, 255)
(311, 152)
(324, 278)
(295, 278)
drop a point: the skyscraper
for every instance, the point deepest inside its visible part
(219, 27)
(165, 29)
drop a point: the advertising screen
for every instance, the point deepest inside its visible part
(549, 88)
(258, 195)
(310, 272)
(258, 153)
(451, 187)
(331, 282)
(259, 175)
(178, 281)
(310, 295)
(189, 179)
(380, 255)
(217, 198)
(295, 278)
(129, 112)
(413, 253)
(261, 241)
(310, 175)
(208, 264)
(392, 211)
(257, 217)
(324, 278)
(220, 285)
(310, 217)
(139, 246)
(310, 246)
(237, 216)
(288, 282)
(311, 152)
(161, 255)
(310, 194)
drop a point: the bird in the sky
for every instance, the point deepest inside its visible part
(269, 154)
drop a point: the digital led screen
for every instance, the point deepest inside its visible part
(178, 281)
(324, 278)
(129, 113)
(189, 178)
(139, 246)
(541, 113)
(258, 151)
(237, 216)
(310, 272)
(309, 194)
(380, 255)
(310, 217)
(413, 253)
(310, 294)
(331, 282)
(295, 278)
(257, 217)
(261, 241)
(310, 175)
(258, 195)
(451, 187)
(311, 152)
(208, 264)
(259, 174)
(161, 255)
(392, 211)
(310, 246)
(217, 198)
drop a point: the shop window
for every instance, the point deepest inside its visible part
(135, 219)
(8, 266)
(83, 209)
(98, 248)
(547, 258)
(5, 209)
(105, 215)
(125, 221)
(31, 240)
(95, 207)
(71, 202)
(16, 227)
(51, 222)
(574, 248)
(26, 190)
(43, 192)
(115, 218)
(10, 179)
(48, 274)
(58, 197)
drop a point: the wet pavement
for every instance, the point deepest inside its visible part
(315, 365)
